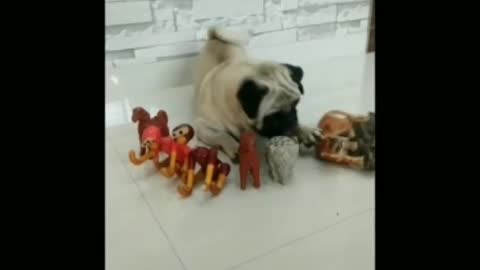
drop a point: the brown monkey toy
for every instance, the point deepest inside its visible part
(183, 133)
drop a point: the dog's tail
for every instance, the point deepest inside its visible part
(240, 38)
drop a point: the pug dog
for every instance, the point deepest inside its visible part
(235, 94)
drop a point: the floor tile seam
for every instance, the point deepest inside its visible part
(299, 239)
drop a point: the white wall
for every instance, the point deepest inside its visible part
(171, 31)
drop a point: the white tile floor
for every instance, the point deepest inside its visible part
(324, 219)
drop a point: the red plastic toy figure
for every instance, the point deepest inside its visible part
(154, 143)
(212, 169)
(249, 160)
(182, 134)
(150, 142)
(144, 120)
(150, 130)
(177, 150)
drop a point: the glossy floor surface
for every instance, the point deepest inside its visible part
(323, 219)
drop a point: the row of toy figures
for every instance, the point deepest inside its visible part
(182, 159)
(345, 139)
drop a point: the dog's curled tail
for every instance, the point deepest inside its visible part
(240, 38)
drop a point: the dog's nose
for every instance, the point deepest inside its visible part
(292, 131)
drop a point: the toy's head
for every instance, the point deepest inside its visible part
(183, 133)
(335, 123)
(151, 140)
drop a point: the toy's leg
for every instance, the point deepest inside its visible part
(185, 189)
(171, 169)
(138, 161)
(199, 177)
(181, 169)
(256, 177)
(255, 170)
(216, 175)
(224, 171)
(212, 158)
(217, 136)
(161, 164)
(244, 169)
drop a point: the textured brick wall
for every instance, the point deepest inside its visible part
(165, 29)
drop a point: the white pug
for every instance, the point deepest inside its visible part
(234, 94)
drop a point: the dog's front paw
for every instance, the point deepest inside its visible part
(309, 136)
(231, 150)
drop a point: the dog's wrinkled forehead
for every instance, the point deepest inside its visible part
(276, 77)
(270, 88)
(283, 90)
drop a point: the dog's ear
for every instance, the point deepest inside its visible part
(296, 73)
(250, 96)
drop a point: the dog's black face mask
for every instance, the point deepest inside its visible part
(296, 73)
(250, 96)
(280, 123)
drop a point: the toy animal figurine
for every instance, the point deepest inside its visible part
(348, 139)
(177, 150)
(151, 143)
(217, 171)
(212, 170)
(249, 160)
(281, 155)
(183, 134)
(144, 120)
(155, 143)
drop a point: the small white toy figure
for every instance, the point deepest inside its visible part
(281, 154)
